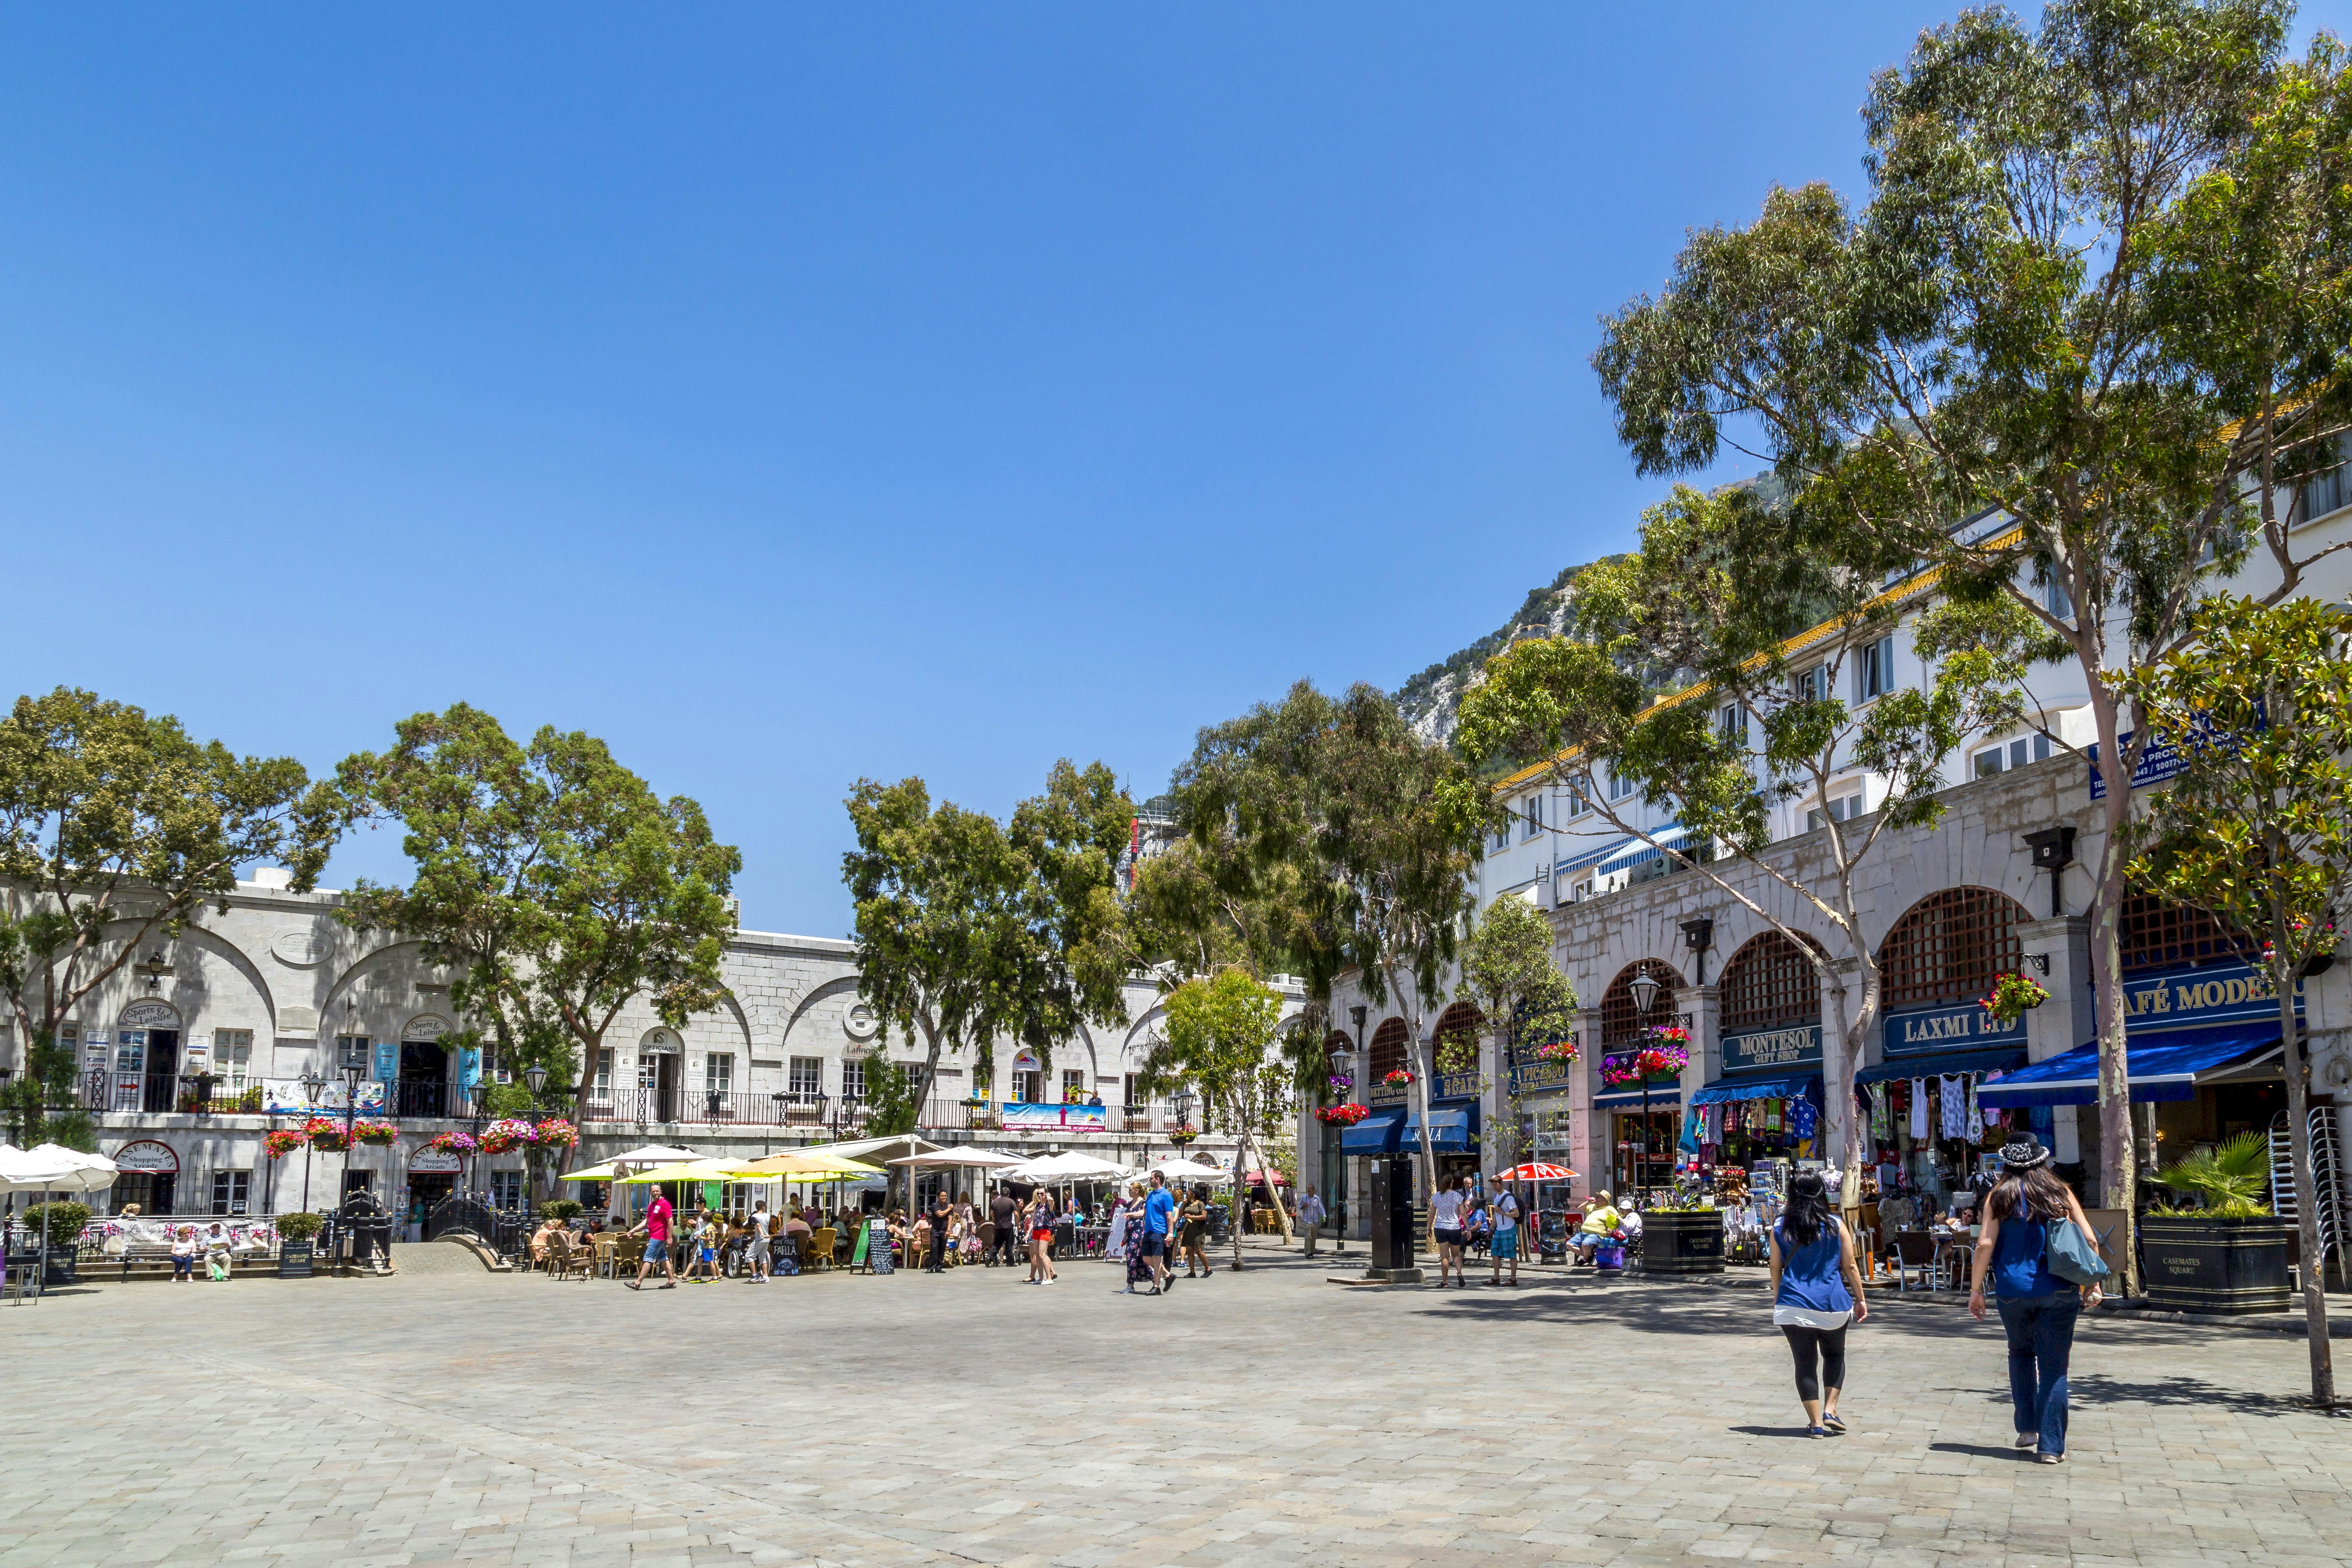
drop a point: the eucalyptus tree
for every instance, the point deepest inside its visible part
(1719, 586)
(1507, 968)
(2257, 828)
(1220, 1035)
(116, 828)
(2076, 349)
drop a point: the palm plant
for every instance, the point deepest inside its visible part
(2229, 1179)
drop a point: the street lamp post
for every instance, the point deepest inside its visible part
(534, 1079)
(355, 1071)
(313, 1086)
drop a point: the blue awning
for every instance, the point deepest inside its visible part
(1798, 1086)
(1631, 1100)
(1672, 839)
(2162, 1064)
(1449, 1131)
(1375, 1134)
(1935, 1063)
(1582, 859)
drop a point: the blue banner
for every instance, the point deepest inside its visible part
(1795, 1046)
(1018, 1117)
(469, 1068)
(1958, 1028)
(2212, 994)
(387, 1061)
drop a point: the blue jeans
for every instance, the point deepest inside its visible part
(2041, 1336)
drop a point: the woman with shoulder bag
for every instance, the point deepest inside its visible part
(2038, 1306)
(1816, 1293)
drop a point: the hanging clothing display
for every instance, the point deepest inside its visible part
(1882, 1119)
(1918, 1111)
(1955, 1108)
(1802, 1118)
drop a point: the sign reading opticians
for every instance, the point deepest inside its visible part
(147, 1157)
(1796, 1046)
(1949, 1029)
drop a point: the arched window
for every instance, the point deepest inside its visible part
(1951, 946)
(1458, 1027)
(1621, 1021)
(2154, 934)
(1389, 1043)
(1770, 984)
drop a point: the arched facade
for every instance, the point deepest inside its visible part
(1950, 946)
(1391, 1044)
(1622, 1021)
(2157, 935)
(1458, 1026)
(1770, 983)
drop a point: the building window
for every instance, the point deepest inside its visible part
(1951, 946)
(1621, 1021)
(853, 1079)
(498, 1066)
(1073, 1086)
(2153, 934)
(351, 1050)
(1769, 982)
(1809, 685)
(1389, 1043)
(232, 1059)
(1733, 721)
(506, 1189)
(1874, 670)
(230, 1191)
(719, 1072)
(1619, 788)
(602, 1091)
(1577, 803)
(1130, 1096)
(1502, 838)
(1028, 1086)
(2328, 491)
(1531, 812)
(806, 1077)
(2056, 600)
(1841, 808)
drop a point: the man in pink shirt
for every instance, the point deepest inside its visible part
(657, 1233)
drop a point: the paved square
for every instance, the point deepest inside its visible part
(450, 1416)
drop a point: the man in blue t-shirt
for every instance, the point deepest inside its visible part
(1158, 1214)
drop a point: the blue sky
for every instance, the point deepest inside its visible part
(788, 394)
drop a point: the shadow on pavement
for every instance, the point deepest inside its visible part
(2092, 1388)
(1982, 1450)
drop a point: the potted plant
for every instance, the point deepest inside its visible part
(557, 1134)
(459, 1144)
(1342, 1115)
(64, 1222)
(507, 1132)
(295, 1232)
(379, 1132)
(564, 1209)
(1609, 1256)
(1683, 1237)
(2227, 1255)
(2013, 997)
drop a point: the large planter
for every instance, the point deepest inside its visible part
(2196, 1263)
(1682, 1242)
(293, 1260)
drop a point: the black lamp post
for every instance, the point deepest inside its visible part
(353, 1071)
(313, 1086)
(1180, 1102)
(1645, 988)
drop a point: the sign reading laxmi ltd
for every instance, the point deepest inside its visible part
(1959, 1028)
(1798, 1047)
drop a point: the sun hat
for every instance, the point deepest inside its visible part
(2022, 1154)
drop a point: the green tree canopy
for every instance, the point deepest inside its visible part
(1219, 1035)
(115, 828)
(2089, 326)
(2257, 827)
(1507, 968)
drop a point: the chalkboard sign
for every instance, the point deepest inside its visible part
(293, 1260)
(874, 1241)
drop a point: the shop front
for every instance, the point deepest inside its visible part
(1763, 1116)
(432, 1176)
(1928, 1130)
(1641, 1116)
(149, 1178)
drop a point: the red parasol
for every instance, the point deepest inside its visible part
(1537, 1171)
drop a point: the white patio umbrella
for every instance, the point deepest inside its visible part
(1179, 1169)
(1069, 1166)
(52, 1169)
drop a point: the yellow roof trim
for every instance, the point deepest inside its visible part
(1910, 587)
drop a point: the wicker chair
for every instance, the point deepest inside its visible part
(819, 1254)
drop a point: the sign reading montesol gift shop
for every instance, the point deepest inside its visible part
(1798, 1045)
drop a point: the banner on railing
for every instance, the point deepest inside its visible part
(1019, 1118)
(284, 1097)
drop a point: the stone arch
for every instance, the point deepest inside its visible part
(1622, 1021)
(1459, 1024)
(1770, 981)
(1950, 946)
(215, 946)
(1391, 1048)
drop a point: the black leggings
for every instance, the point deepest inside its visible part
(1805, 1344)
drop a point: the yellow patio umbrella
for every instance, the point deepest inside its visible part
(792, 1166)
(603, 1172)
(689, 1171)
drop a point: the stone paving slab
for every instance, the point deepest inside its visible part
(1267, 1418)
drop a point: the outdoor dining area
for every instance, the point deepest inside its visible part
(864, 1207)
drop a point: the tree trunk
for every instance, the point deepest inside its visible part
(2119, 1174)
(922, 1098)
(2306, 1192)
(1250, 1149)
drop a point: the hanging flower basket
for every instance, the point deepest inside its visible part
(374, 1133)
(1342, 1083)
(278, 1146)
(1672, 1035)
(1397, 1078)
(1649, 1061)
(509, 1133)
(1557, 1051)
(460, 1143)
(557, 1134)
(2013, 997)
(2323, 946)
(326, 1135)
(1183, 1135)
(1342, 1115)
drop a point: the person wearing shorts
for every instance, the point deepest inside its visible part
(1159, 1216)
(657, 1233)
(1445, 1227)
(1041, 1238)
(1505, 1242)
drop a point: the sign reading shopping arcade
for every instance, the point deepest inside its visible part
(1796, 1047)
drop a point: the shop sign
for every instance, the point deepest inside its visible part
(147, 1157)
(426, 1026)
(433, 1163)
(149, 1015)
(2216, 994)
(1533, 1074)
(1789, 1048)
(1949, 1029)
(1457, 1085)
(661, 1043)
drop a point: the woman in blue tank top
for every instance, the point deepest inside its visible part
(2038, 1309)
(1816, 1292)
